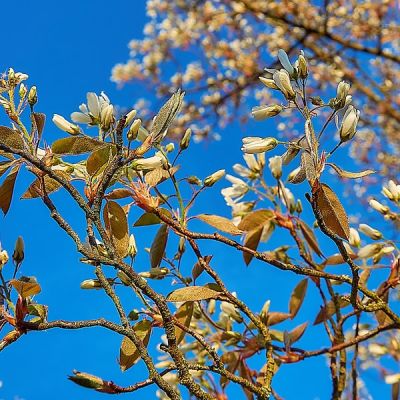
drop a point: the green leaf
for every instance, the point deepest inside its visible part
(158, 246)
(351, 175)
(11, 138)
(221, 223)
(297, 297)
(117, 226)
(75, 145)
(184, 316)
(129, 354)
(332, 212)
(276, 317)
(99, 158)
(7, 189)
(193, 293)
(297, 332)
(38, 310)
(150, 218)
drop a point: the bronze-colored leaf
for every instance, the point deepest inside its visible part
(255, 220)
(197, 269)
(310, 237)
(38, 121)
(276, 317)
(332, 212)
(38, 310)
(252, 241)
(184, 316)
(221, 223)
(328, 311)
(297, 332)
(193, 293)
(297, 297)
(26, 286)
(155, 176)
(51, 185)
(299, 177)
(337, 259)
(75, 145)
(120, 193)
(128, 353)
(307, 164)
(147, 219)
(99, 158)
(245, 373)
(117, 226)
(351, 175)
(7, 189)
(11, 138)
(4, 166)
(158, 246)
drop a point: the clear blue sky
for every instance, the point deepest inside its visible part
(69, 48)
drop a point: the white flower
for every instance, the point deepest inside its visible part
(235, 192)
(370, 232)
(214, 178)
(348, 127)
(148, 163)
(64, 125)
(341, 95)
(392, 191)
(378, 206)
(354, 238)
(262, 112)
(282, 80)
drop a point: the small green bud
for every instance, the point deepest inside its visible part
(134, 129)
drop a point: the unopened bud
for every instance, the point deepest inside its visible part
(282, 80)
(214, 178)
(18, 255)
(275, 166)
(132, 249)
(64, 125)
(87, 380)
(107, 117)
(354, 238)
(378, 206)
(134, 129)
(255, 145)
(348, 128)
(91, 284)
(185, 141)
(22, 90)
(269, 83)
(170, 147)
(194, 180)
(3, 258)
(262, 112)
(370, 232)
(369, 250)
(129, 117)
(32, 96)
(302, 67)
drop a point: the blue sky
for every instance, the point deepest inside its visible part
(69, 48)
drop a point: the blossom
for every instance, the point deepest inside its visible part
(235, 192)
(341, 95)
(64, 125)
(263, 112)
(275, 166)
(282, 80)
(214, 178)
(370, 232)
(150, 163)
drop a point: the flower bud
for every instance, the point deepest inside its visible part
(299, 206)
(132, 249)
(302, 66)
(18, 255)
(262, 112)
(369, 250)
(341, 95)
(3, 258)
(134, 129)
(354, 238)
(170, 147)
(282, 80)
(184, 143)
(194, 180)
(214, 178)
(269, 83)
(392, 191)
(378, 206)
(129, 117)
(348, 127)
(91, 284)
(370, 232)
(148, 163)
(22, 90)
(231, 311)
(211, 306)
(275, 166)
(107, 117)
(32, 96)
(254, 145)
(65, 126)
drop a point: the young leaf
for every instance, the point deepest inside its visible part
(7, 189)
(276, 317)
(197, 269)
(38, 121)
(75, 145)
(297, 297)
(351, 175)
(255, 220)
(193, 293)
(147, 219)
(117, 226)
(11, 138)
(297, 332)
(99, 158)
(328, 311)
(220, 223)
(252, 241)
(309, 235)
(51, 185)
(129, 354)
(184, 316)
(120, 193)
(332, 212)
(26, 286)
(158, 246)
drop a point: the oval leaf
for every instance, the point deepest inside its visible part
(75, 145)
(117, 226)
(184, 316)
(158, 246)
(310, 237)
(332, 211)
(252, 241)
(128, 353)
(26, 286)
(221, 223)
(99, 159)
(11, 138)
(255, 219)
(7, 190)
(297, 297)
(193, 293)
